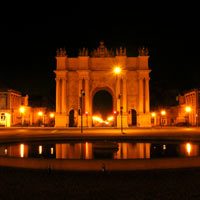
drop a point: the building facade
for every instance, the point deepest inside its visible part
(15, 111)
(10, 102)
(91, 74)
(185, 113)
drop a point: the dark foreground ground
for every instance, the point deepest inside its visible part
(162, 184)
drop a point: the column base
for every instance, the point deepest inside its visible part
(61, 120)
(124, 121)
(86, 121)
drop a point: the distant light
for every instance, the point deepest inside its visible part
(111, 118)
(52, 150)
(40, 149)
(22, 109)
(96, 118)
(52, 115)
(21, 150)
(86, 113)
(188, 109)
(163, 112)
(115, 112)
(117, 70)
(40, 113)
(164, 147)
(153, 114)
(188, 148)
(6, 151)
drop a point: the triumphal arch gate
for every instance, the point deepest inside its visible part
(79, 79)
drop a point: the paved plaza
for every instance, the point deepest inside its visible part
(156, 133)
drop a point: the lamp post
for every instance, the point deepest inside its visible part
(163, 113)
(86, 113)
(81, 108)
(22, 111)
(153, 115)
(117, 71)
(51, 115)
(188, 110)
(40, 113)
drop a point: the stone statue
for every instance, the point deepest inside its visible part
(142, 51)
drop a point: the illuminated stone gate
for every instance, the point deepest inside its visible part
(129, 88)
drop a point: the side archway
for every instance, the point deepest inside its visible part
(71, 118)
(134, 117)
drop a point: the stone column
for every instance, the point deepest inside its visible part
(125, 114)
(87, 103)
(118, 101)
(58, 95)
(87, 94)
(141, 94)
(147, 94)
(118, 93)
(124, 96)
(64, 96)
(80, 86)
(79, 94)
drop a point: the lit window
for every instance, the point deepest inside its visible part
(3, 117)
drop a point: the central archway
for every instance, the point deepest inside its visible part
(103, 105)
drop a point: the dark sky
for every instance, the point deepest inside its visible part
(28, 46)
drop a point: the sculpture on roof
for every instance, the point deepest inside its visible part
(61, 52)
(83, 52)
(142, 51)
(102, 51)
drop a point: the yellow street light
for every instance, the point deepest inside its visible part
(163, 112)
(52, 115)
(40, 113)
(153, 114)
(21, 109)
(117, 70)
(188, 109)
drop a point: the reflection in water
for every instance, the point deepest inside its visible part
(40, 149)
(133, 151)
(100, 150)
(188, 147)
(104, 150)
(52, 150)
(21, 150)
(6, 151)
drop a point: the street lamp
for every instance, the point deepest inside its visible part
(163, 113)
(52, 116)
(188, 110)
(117, 70)
(86, 113)
(22, 111)
(153, 115)
(81, 108)
(40, 113)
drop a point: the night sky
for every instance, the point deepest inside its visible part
(28, 48)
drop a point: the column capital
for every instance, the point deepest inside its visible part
(64, 78)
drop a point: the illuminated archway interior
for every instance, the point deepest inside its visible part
(102, 104)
